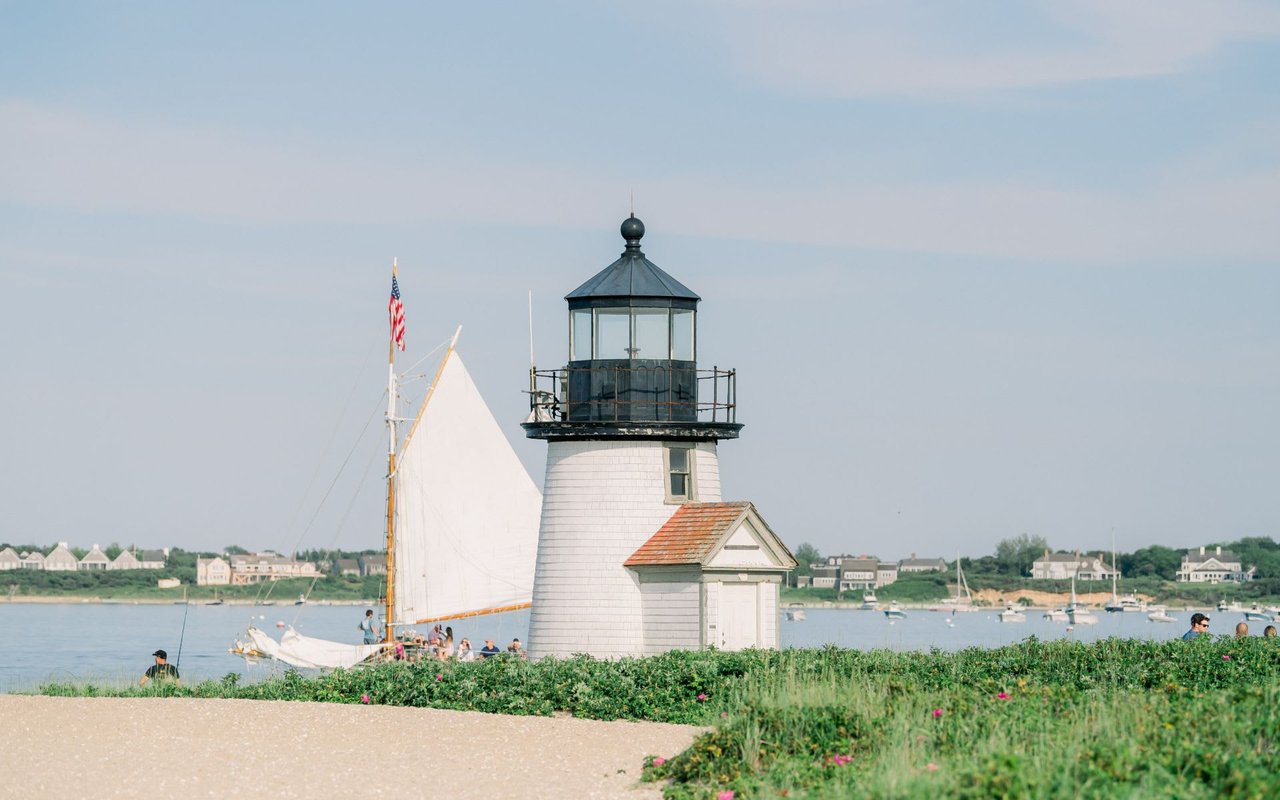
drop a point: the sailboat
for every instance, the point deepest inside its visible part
(462, 521)
(963, 601)
(1076, 613)
(1129, 602)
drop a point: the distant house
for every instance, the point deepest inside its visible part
(32, 560)
(268, 566)
(1202, 567)
(914, 564)
(9, 559)
(95, 559)
(823, 576)
(126, 560)
(212, 572)
(373, 565)
(152, 559)
(1063, 566)
(61, 559)
(347, 566)
(858, 573)
(886, 573)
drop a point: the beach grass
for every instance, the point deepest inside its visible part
(1116, 718)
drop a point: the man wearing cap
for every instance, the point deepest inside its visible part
(162, 670)
(1199, 627)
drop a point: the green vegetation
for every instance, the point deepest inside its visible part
(1062, 719)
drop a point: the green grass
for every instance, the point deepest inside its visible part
(1116, 718)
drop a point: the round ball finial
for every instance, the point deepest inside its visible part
(632, 230)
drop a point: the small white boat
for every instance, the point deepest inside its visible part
(1012, 614)
(1160, 614)
(894, 611)
(795, 613)
(1076, 613)
(1229, 608)
(1079, 615)
(1256, 614)
(1057, 615)
(869, 601)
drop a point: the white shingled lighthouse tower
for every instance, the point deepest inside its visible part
(637, 553)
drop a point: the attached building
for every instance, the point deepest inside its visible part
(710, 577)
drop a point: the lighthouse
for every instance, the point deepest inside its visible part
(637, 552)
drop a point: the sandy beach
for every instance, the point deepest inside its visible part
(152, 747)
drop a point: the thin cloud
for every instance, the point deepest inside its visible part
(895, 48)
(86, 164)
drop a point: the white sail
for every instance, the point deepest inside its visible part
(466, 511)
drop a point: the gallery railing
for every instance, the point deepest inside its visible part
(626, 391)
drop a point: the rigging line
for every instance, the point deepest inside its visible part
(355, 445)
(333, 435)
(342, 522)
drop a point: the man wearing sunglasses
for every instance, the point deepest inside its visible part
(1199, 627)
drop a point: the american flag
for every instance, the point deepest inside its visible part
(396, 309)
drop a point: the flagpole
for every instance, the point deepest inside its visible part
(391, 471)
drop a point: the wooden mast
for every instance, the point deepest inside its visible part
(387, 635)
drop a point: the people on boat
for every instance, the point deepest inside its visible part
(1242, 629)
(1199, 627)
(489, 650)
(435, 636)
(515, 649)
(370, 627)
(465, 653)
(161, 671)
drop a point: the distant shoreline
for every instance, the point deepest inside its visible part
(148, 601)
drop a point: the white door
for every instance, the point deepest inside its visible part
(739, 618)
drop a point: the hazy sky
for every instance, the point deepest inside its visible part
(984, 268)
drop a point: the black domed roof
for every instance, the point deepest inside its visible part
(633, 275)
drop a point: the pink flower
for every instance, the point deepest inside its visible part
(702, 697)
(1002, 696)
(439, 677)
(1226, 658)
(727, 794)
(724, 715)
(932, 767)
(659, 761)
(364, 698)
(937, 712)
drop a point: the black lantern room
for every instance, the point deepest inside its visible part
(632, 369)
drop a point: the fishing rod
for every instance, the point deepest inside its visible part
(183, 635)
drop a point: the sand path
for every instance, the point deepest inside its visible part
(152, 747)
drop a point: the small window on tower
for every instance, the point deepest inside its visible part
(679, 473)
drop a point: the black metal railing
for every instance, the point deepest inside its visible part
(625, 392)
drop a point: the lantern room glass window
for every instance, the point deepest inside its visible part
(682, 344)
(613, 333)
(637, 332)
(580, 336)
(651, 333)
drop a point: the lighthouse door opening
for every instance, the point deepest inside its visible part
(739, 616)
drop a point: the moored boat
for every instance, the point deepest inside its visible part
(1013, 614)
(869, 601)
(894, 611)
(1160, 614)
(795, 612)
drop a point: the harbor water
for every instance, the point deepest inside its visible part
(111, 643)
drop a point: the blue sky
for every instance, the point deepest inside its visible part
(984, 269)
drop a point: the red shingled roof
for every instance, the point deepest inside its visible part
(690, 535)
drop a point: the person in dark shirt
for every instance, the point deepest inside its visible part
(1199, 627)
(162, 670)
(489, 650)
